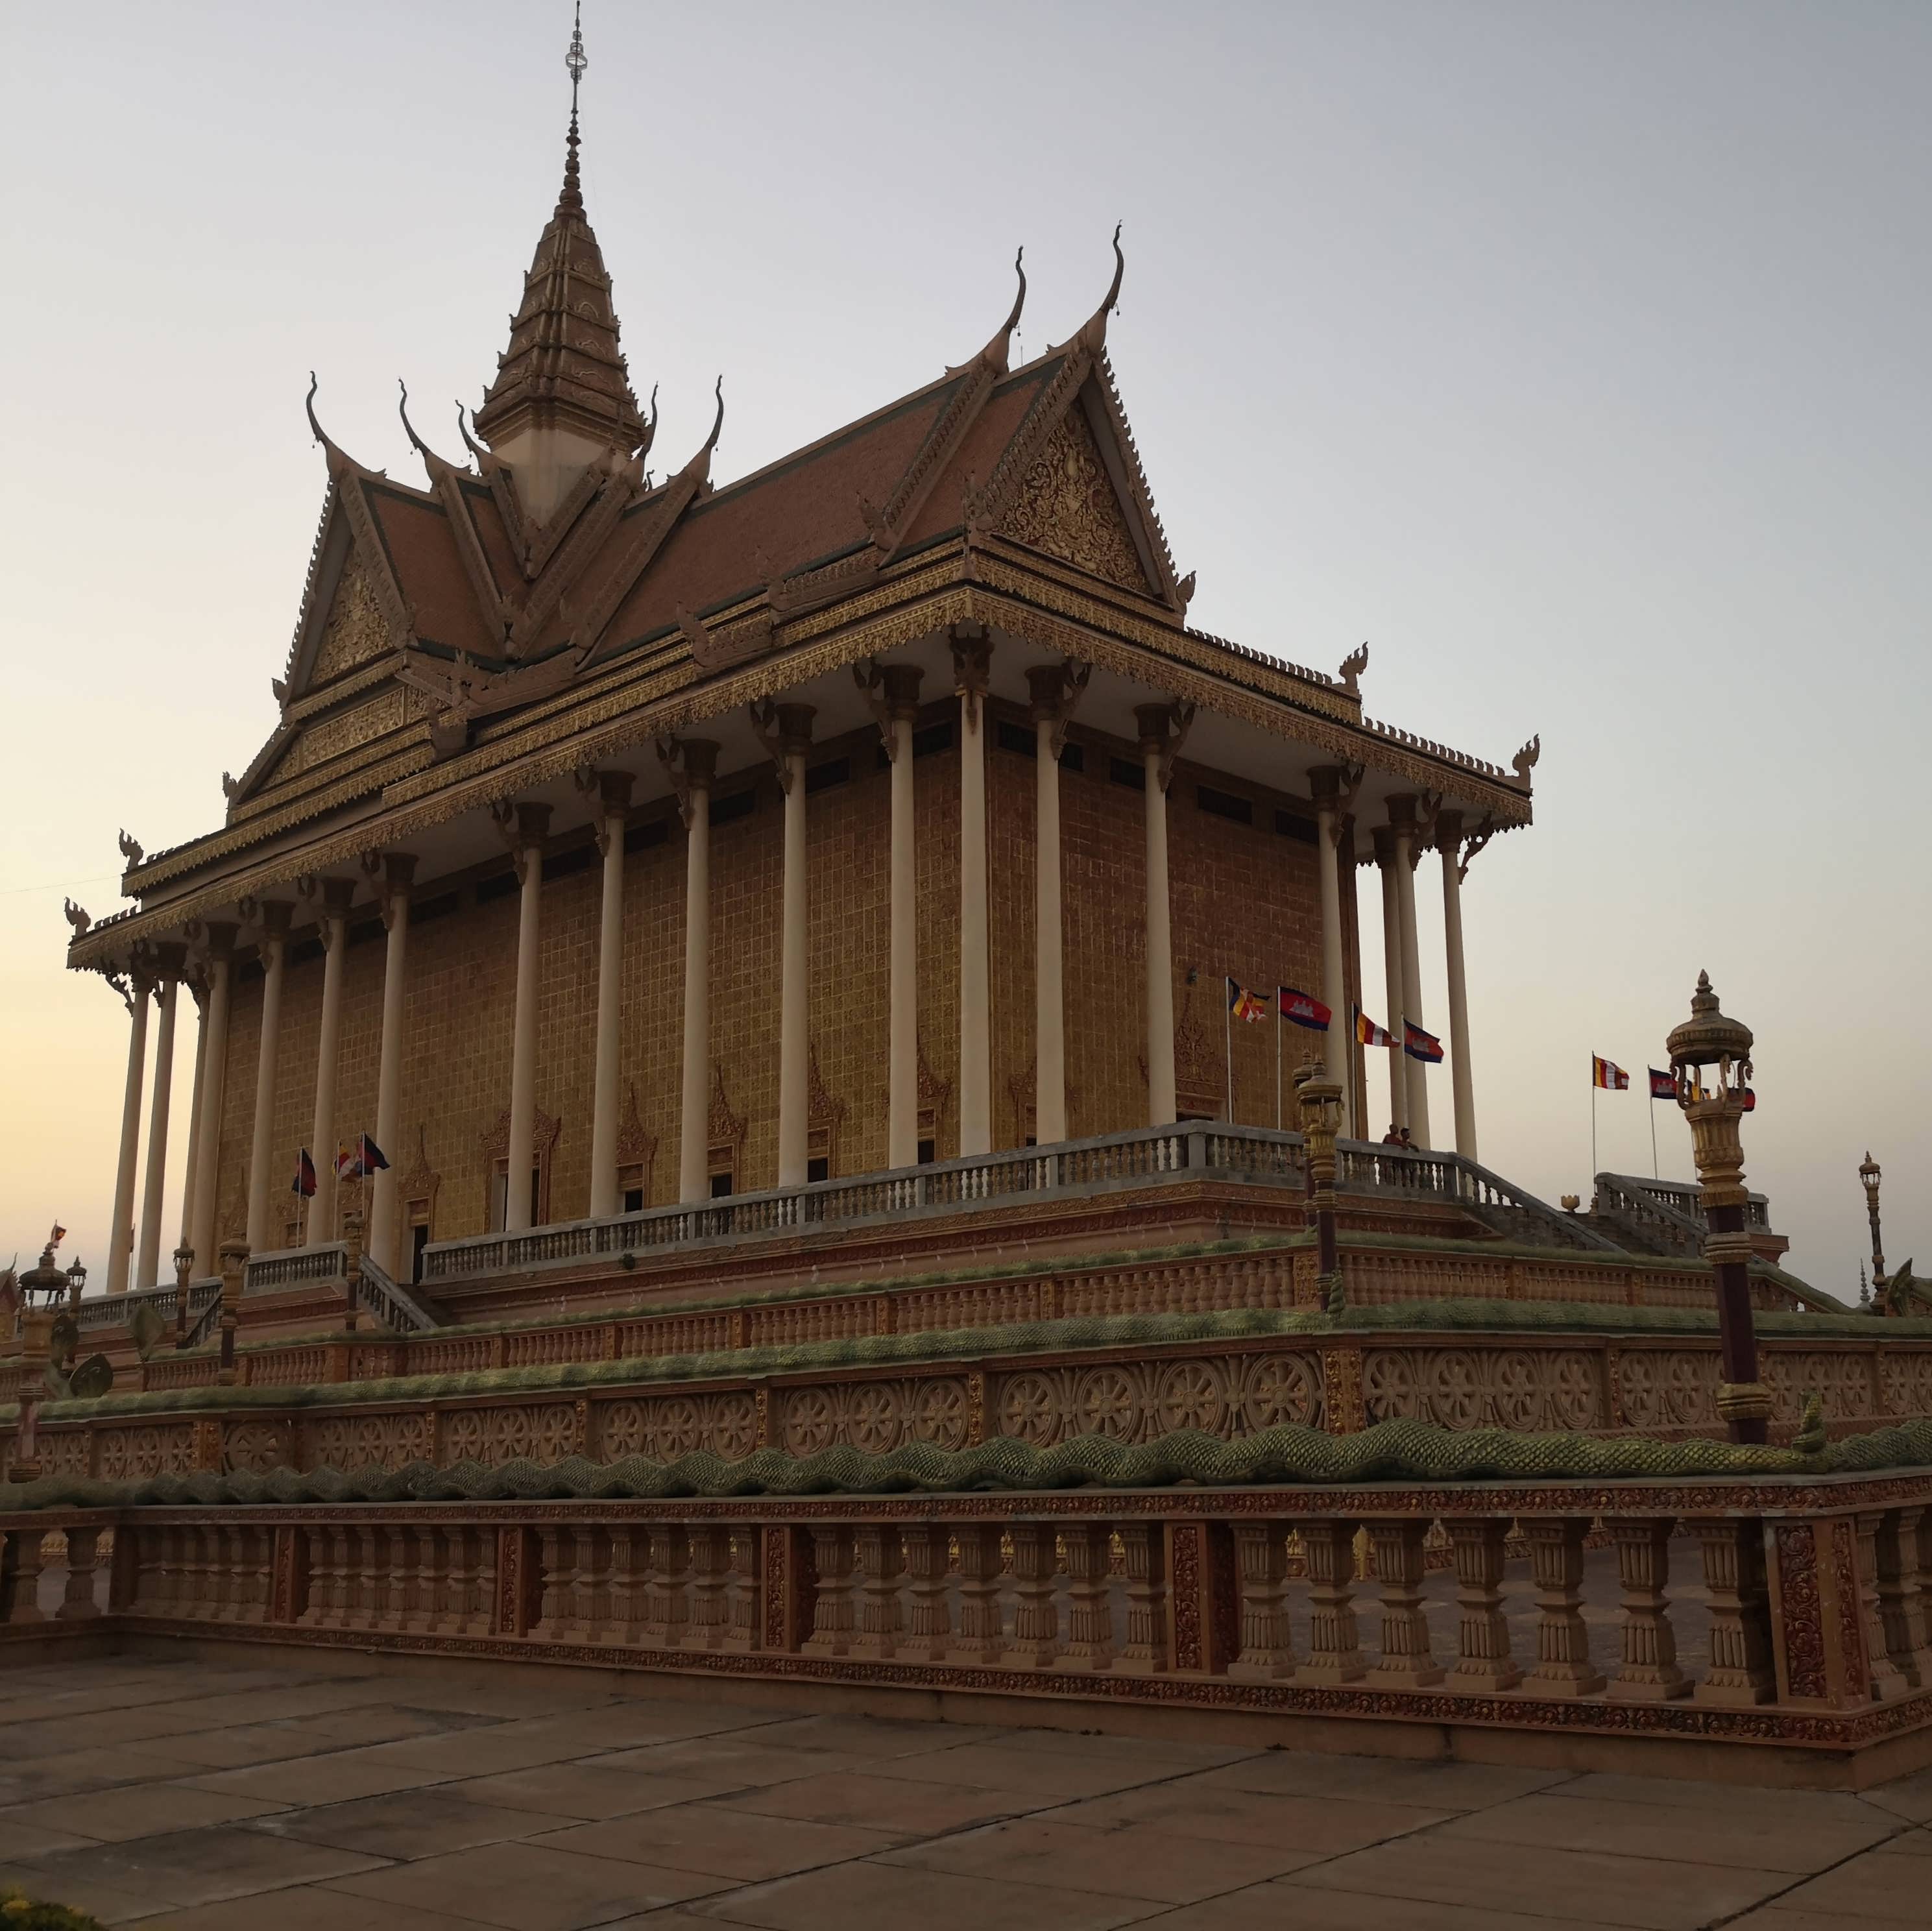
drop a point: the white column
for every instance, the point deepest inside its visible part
(1155, 721)
(121, 1232)
(261, 1162)
(613, 791)
(399, 871)
(211, 1080)
(699, 764)
(794, 740)
(191, 1168)
(901, 683)
(1048, 684)
(1398, 1063)
(1334, 974)
(971, 659)
(531, 826)
(1406, 855)
(147, 1257)
(1449, 838)
(336, 894)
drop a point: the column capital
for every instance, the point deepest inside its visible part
(170, 961)
(690, 764)
(1383, 838)
(1402, 809)
(523, 829)
(612, 790)
(972, 665)
(899, 684)
(337, 894)
(785, 730)
(1163, 730)
(217, 939)
(396, 870)
(1448, 830)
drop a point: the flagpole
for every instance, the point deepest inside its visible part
(1277, 1059)
(1228, 1021)
(1593, 1134)
(1655, 1174)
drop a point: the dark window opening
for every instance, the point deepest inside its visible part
(1016, 737)
(1031, 1141)
(934, 737)
(1292, 824)
(739, 804)
(822, 777)
(580, 858)
(1224, 804)
(498, 885)
(250, 968)
(419, 1240)
(304, 950)
(634, 1199)
(441, 906)
(1072, 757)
(820, 1169)
(927, 1153)
(721, 1186)
(365, 929)
(1124, 771)
(642, 837)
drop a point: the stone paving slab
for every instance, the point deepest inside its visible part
(194, 1796)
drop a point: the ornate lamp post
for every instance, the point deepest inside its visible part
(1708, 1040)
(1869, 1176)
(1319, 1100)
(77, 1284)
(48, 1281)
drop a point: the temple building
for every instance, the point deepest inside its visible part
(629, 840)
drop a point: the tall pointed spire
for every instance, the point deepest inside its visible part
(561, 397)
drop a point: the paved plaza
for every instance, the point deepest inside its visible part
(192, 1795)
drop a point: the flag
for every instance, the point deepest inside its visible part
(1750, 1100)
(58, 1235)
(1421, 1045)
(1301, 1009)
(304, 1183)
(1367, 1033)
(1243, 1004)
(1607, 1074)
(1663, 1085)
(369, 1156)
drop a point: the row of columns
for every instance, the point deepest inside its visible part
(786, 732)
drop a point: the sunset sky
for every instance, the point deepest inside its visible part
(1572, 357)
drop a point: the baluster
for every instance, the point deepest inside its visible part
(150, 1569)
(482, 1585)
(204, 1573)
(1896, 1547)
(341, 1587)
(671, 1575)
(1650, 1674)
(369, 1591)
(1036, 1644)
(982, 1627)
(928, 1633)
(432, 1560)
(1742, 1671)
(832, 1605)
(1334, 1654)
(588, 1597)
(20, 1576)
(710, 1558)
(232, 1558)
(1563, 1667)
(882, 1568)
(82, 1556)
(1088, 1548)
(1888, 1680)
(315, 1542)
(1267, 1651)
(629, 1588)
(747, 1605)
(1482, 1637)
(553, 1610)
(399, 1572)
(1407, 1662)
(1145, 1562)
(1914, 1542)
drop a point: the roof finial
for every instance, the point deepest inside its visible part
(574, 62)
(1093, 337)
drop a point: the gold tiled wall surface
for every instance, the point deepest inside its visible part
(1245, 899)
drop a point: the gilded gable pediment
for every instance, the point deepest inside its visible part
(357, 632)
(1066, 506)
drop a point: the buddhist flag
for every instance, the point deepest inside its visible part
(1367, 1033)
(58, 1235)
(1750, 1100)
(304, 1183)
(1421, 1045)
(1606, 1074)
(1300, 1009)
(1243, 1004)
(1663, 1085)
(346, 1168)
(368, 1156)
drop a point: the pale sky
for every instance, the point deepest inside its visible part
(1572, 355)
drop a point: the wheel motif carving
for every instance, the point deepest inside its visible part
(621, 1429)
(463, 1436)
(1192, 1396)
(733, 1428)
(1105, 1402)
(1029, 1410)
(939, 1413)
(810, 1420)
(875, 1418)
(677, 1430)
(1388, 1386)
(1572, 1393)
(1516, 1390)
(1278, 1389)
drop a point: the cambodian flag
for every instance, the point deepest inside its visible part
(1421, 1045)
(304, 1183)
(1663, 1085)
(1301, 1009)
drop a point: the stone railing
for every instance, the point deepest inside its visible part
(113, 1310)
(399, 1309)
(295, 1267)
(1668, 1210)
(1586, 1619)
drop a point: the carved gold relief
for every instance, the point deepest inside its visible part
(356, 630)
(1066, 506)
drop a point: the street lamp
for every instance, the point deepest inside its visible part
(1869, 1176)
(77, 1283)
(1709, 1040)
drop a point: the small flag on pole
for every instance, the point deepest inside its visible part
(1421, 1045)
(1243, 1004)
(1750, 1100)
(1663, 1085)
(58, 1235)
(1301, 1009)
(304, 1183)
(1607, 1075)
(346, 1168)
(369, 1156)
(1367, 1033)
